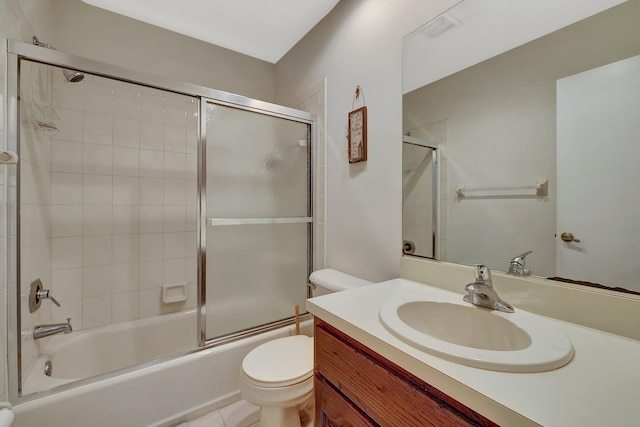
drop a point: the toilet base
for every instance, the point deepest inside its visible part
(279, 417)
(297, 416)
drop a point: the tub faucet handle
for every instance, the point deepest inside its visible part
(46, 294)
(37, 293)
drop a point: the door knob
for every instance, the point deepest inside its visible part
(568, 237)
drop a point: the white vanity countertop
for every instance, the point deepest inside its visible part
(599, 387)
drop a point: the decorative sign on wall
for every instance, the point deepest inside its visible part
(357, 130)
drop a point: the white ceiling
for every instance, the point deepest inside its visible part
(264, 29)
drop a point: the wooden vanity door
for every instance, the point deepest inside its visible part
(333, 410)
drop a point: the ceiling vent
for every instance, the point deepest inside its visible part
(439, 25)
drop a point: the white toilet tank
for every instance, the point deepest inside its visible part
(328, 280)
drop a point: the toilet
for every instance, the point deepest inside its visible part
(278, 375)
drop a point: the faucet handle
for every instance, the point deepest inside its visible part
(516, 265)
(46, 294)
(37, 293)
(482, 273)
(519, 258)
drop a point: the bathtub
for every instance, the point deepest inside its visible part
(97, 351)
(162, 393)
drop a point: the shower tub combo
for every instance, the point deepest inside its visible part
(155, 394)
(235, 193)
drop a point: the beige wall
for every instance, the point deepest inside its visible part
(94, 33)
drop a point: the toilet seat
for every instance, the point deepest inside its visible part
(280, 363)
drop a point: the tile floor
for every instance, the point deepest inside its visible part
(238, 414)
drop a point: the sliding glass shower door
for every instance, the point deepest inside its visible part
(257, 231)
(126, 186)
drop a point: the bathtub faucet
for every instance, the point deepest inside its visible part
(41, 331)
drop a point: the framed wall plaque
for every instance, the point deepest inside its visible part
(357, 135)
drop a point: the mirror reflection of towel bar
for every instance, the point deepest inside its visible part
(540, 189)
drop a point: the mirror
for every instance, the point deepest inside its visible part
(535, 143)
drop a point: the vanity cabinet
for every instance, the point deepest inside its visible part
(356, 387)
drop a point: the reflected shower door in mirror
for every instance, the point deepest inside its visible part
(419, 198)
(507, 119)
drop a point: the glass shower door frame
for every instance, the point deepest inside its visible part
(204, 221)
(18, 51)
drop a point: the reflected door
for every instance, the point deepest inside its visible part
(598, 114)
(258, 218)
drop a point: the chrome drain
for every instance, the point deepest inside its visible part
(48, 367)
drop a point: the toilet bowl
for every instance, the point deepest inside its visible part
(278, 375)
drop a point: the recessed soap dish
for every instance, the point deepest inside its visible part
(173, 293)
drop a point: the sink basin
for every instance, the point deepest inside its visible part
(477, 337)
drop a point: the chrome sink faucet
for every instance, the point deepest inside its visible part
(482, 294)
(516, 265)
(42, 331)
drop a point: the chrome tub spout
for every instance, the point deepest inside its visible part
(41, 331)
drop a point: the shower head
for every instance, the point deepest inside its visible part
(73, 76)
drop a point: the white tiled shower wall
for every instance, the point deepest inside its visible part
(123, 199)
(115, 189)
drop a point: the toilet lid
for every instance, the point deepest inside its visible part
(280, 362)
